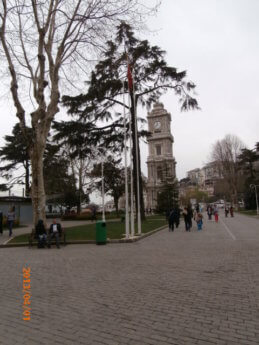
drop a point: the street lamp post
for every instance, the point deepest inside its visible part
(254, 186)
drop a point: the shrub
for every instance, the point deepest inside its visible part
(87, 216)
(69, 217)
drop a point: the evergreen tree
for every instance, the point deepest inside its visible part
(247, 160)
(56, 171)
(15, 153)
(167, 198)
(108, 83)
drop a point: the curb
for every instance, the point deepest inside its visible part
(113, 241)
(22, 244)
(136, 239)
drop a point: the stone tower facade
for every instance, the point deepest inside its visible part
(160, 161)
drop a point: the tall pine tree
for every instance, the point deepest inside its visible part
(108, 82)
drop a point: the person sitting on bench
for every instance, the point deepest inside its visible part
(41, 233)
(55, 231)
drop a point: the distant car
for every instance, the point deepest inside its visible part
(220, 204)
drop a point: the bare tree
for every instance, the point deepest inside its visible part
(81, 168)
(225, 153)
(44, 42)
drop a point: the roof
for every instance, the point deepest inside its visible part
(14, 199)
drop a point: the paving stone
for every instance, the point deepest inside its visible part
(169, 289)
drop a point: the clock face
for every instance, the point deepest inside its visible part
(157, 125)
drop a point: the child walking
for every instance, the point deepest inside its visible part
(199, 220)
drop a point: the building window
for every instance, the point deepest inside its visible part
(158, 150)
(159, 173)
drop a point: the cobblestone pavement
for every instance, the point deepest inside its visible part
(170, 288)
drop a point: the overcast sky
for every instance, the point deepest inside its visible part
(217, 42)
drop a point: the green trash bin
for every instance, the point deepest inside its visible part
(101, 235)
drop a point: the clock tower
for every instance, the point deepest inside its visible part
(160, 161)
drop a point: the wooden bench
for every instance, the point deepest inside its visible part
(33, 240)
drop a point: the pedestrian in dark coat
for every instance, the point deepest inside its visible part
(177, 216)
(171, 220)
(226, 211)
(94, 214)
(190, 215)
(209, 211)
(41, 234)
(10, 220)
(187, 216)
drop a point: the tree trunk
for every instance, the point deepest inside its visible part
(27, 178)
(37, 189)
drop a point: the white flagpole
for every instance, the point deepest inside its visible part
(132, 225)
(126, 169)
(137, 158)
(131, 180)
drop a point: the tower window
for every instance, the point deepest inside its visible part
(158, 150)
(159, 173)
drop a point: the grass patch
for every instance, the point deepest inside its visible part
(15, 226)
(155, 217)
(248, 212)
(115, 230)
(20, 239)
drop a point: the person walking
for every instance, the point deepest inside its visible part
(190, 215)
(177, 216)
(216, 213)
(10, 220)
(187, 215)
(209, 211)
(93, 214)
(231, 210)
(226, 211)
(199, 220)
(171, 220)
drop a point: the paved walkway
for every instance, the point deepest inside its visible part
(170, 288)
